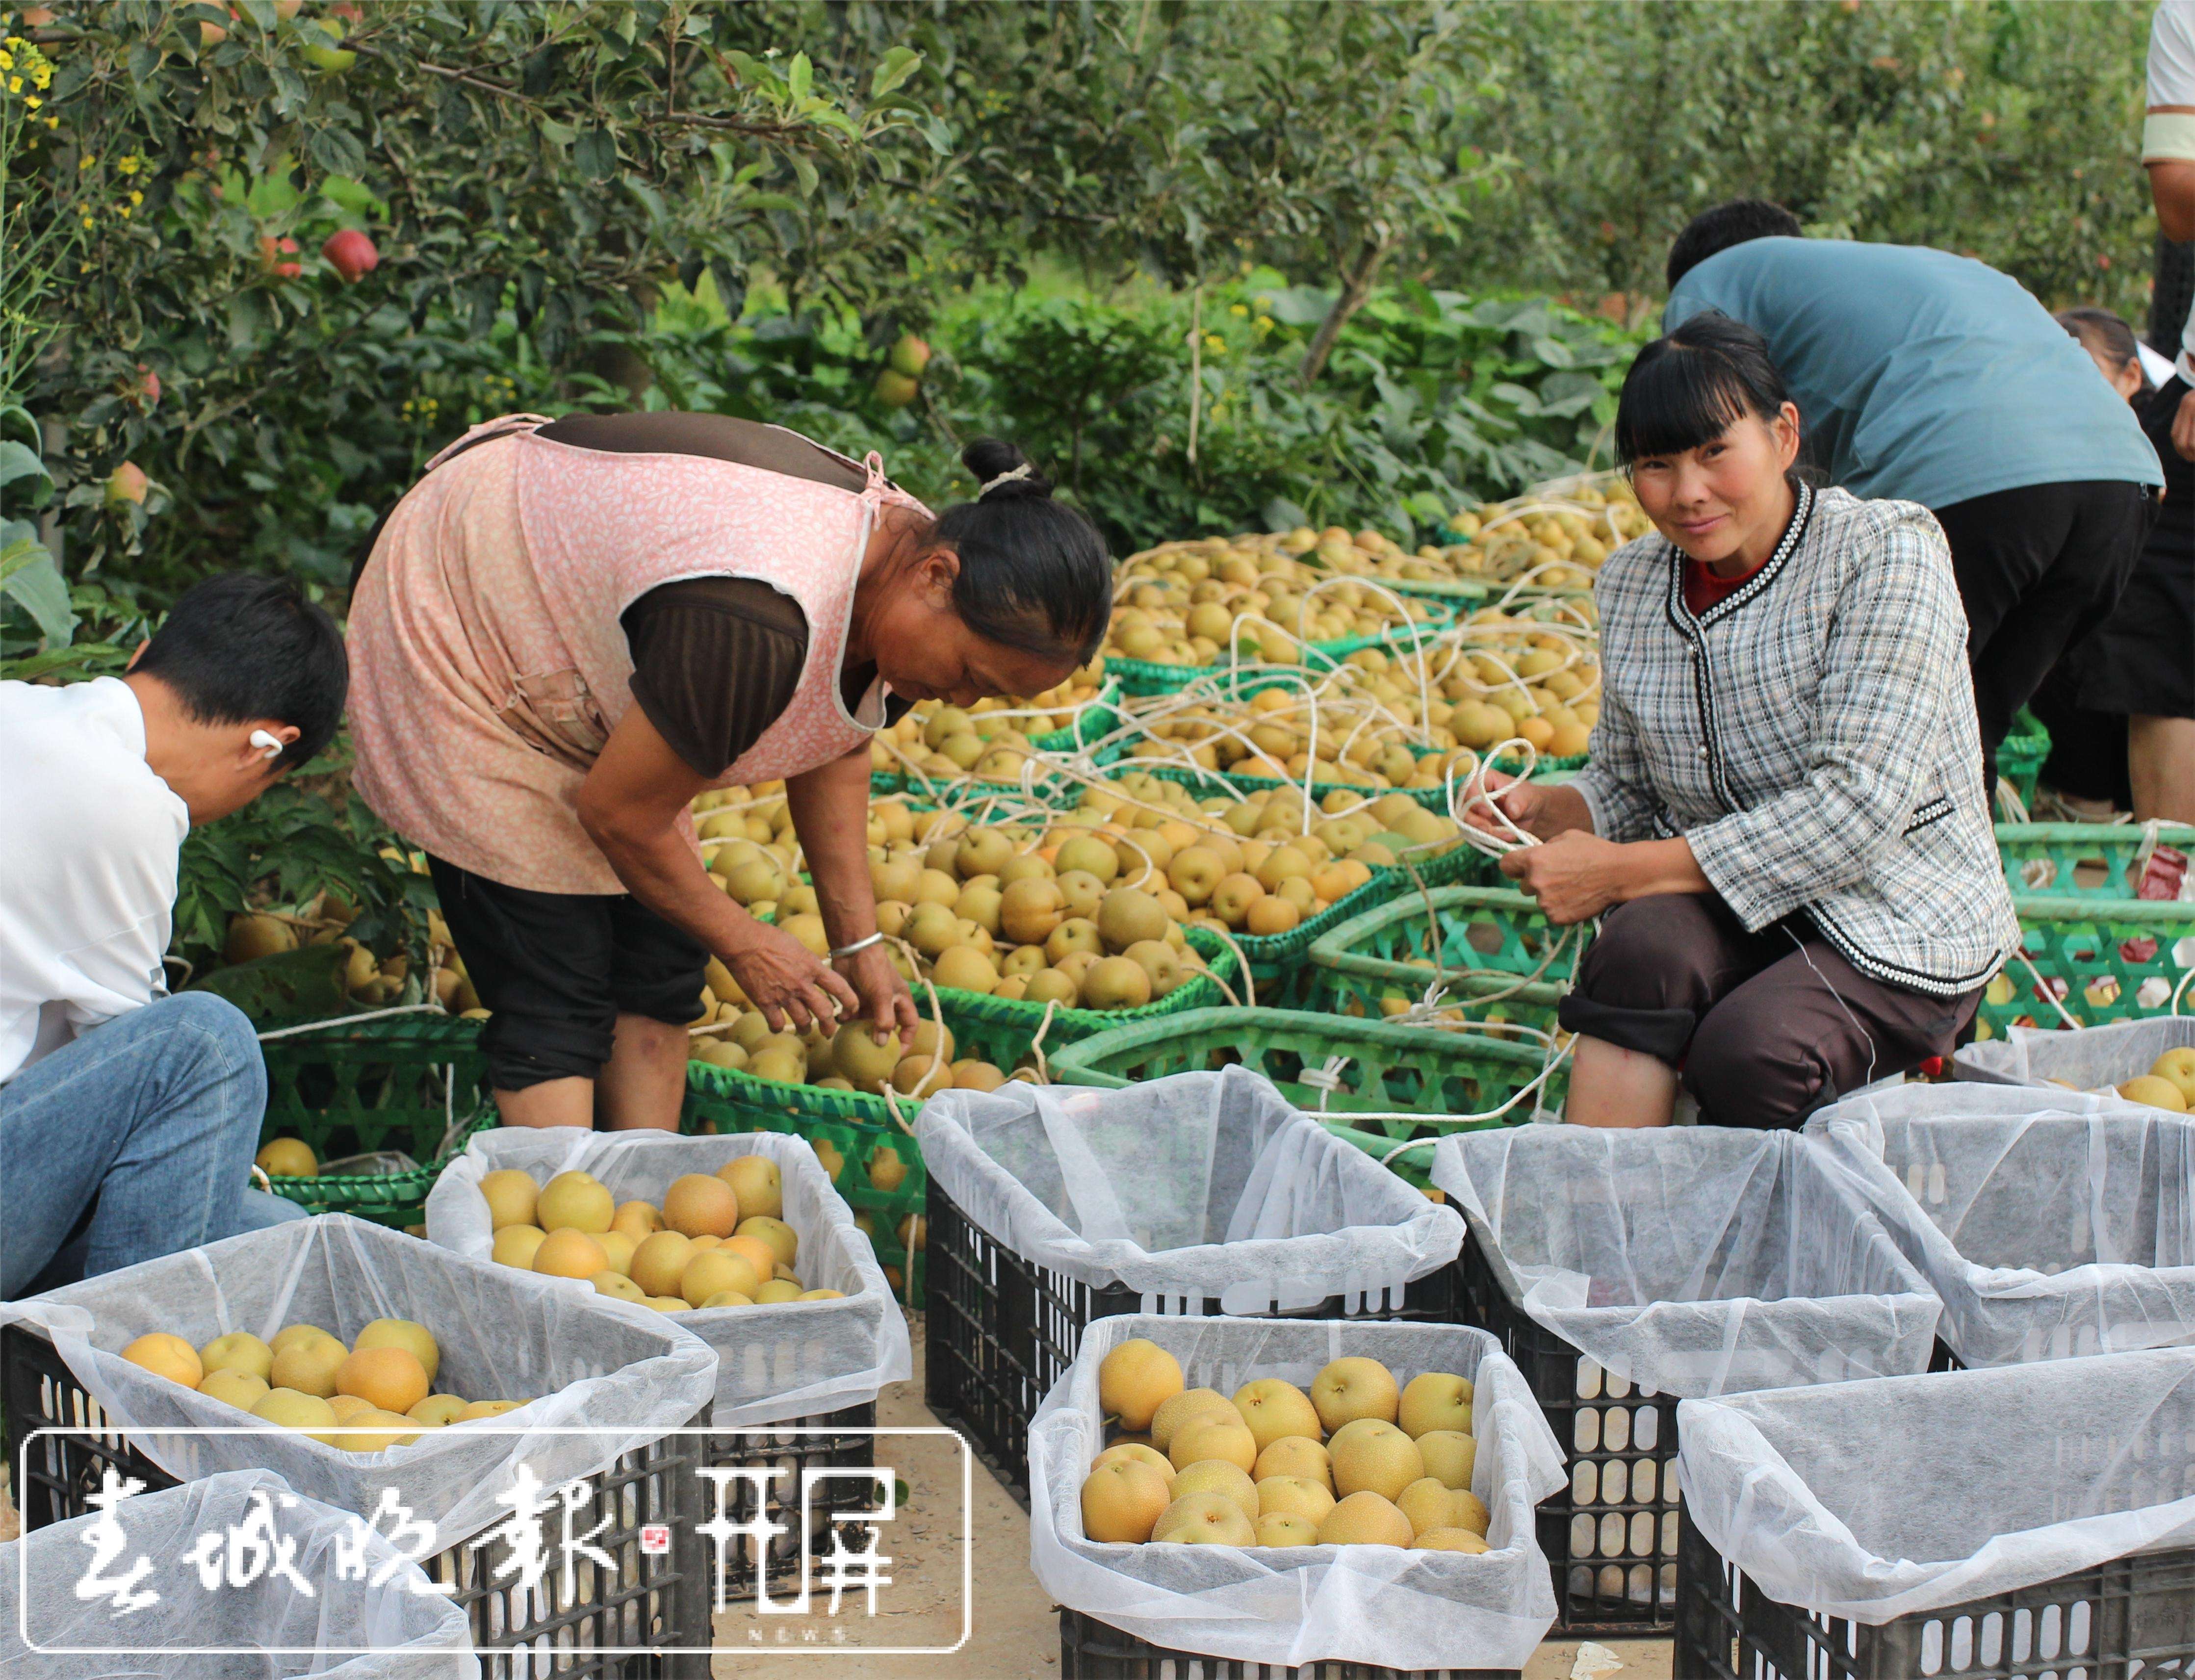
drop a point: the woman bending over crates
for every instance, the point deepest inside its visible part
(568, 629)
(1783, 827)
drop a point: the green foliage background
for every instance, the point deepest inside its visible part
(1375, 259)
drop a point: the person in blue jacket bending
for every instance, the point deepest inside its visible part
(1922, 377)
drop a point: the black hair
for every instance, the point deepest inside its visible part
(1034, 574)
(1724, 225)
(2101, 333)
(1689, 385)
(238, 646)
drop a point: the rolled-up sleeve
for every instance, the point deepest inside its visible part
(1893, 663)
(1613, 781)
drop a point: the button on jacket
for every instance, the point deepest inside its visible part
(1812, 737)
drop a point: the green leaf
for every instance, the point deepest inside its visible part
(337, 150)
(893, 69)
(29, 576)
(17, 461)
(805, 172)
(596, 154)
(799, 76)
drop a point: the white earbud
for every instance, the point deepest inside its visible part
(261, 738)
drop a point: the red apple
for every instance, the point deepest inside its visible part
(909, 356)
(272, 255)
(895, 389)
(126, 483)
(351, 254)
(143, 393)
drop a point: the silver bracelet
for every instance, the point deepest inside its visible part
(858, 945)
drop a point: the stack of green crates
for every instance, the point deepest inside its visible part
(414, 1084)
(1481, 940)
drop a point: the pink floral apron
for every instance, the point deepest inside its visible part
(488, 665)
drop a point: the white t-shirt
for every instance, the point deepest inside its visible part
(89, 840)
(2168, 132)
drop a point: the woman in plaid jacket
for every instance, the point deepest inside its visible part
(1783, 823)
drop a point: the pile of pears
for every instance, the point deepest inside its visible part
(368, 980)
(718, 1240)
(1359, 1460)
(2169, 1085)
(1568, 534)
(1182, 598)
(988, 740)
(849, 1058)
(375, 1394)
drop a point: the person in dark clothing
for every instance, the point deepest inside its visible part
(1921, 376)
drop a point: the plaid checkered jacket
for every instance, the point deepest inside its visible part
(1812, 736)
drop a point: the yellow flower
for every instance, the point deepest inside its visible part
(32, 102)
(86, 161)
(1238, 310)
(1214, 344)
(42, 74)
(1264, 324)
(7, 60)
(52, 122)
(14, 84)
(129, 163)
(136, 198)
(122, 209)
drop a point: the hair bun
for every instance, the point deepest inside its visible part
(1001, 472)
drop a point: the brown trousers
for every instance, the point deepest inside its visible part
(1766, 1027)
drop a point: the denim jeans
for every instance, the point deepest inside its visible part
(149, 1121)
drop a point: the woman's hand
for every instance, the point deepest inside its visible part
(1574, 876)
(786, 981)
(1541, 809)
(1577, 874)
(886, 1003)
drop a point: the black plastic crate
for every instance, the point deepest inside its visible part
(2133, 1615)
(659, 1599)
(1611, 1537)
(1090, 1649)
(831, 1439)
(999, 1330)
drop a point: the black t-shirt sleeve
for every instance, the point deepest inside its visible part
(716, 661)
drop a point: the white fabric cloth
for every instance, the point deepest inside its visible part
(2090, 1059)
(2052, 1223)
(620, 1370)
(795, 1360)
(1206, 1191)
(1874, 1500)
(1377, 1604)
(393, 1627)
(1695, 1260)
(91, 837)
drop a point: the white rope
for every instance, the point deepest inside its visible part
(342, 1021)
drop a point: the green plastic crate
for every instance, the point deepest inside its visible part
(1098, 720)
(1383, 1071)
(2020, 755)
(409, 1083)
(2102, 952)
(1144, 677)
(1372, 960)
(718, 1100)
(2078, 859)
(888, 783)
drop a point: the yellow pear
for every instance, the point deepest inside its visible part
(1142, 1453)
(728, 1297)
(237, 1351)
(637, 1220)
(783, 1239)
(1428, 1504)
(1295, 1496)
(1283, 1529)
(777, 1290)
(1449, 1456)
(617, 1247)
(1436, 1400)
(1135, 1380)
(438, 1410)
(1204, 1519)
(713, 1271)
(293, 1332)
(1369, 1454)
(574, 1201)
(1209, 1436)
(569, 1252)
(758, 1183)
(1353, 1387)
(511, 1196)
(346, 1406)
(309, 1365)
(487, 1408)
(2178, 1066)
(517, 1245)
(1190, 1402)
(1275, 1409)
(700, 1204)
(240, 1389)
(2154, 1090)
(400, 1333)
(389, 1379)
(617, 1286)
(1218, 1475)
(1365, 1518)
(287, 1157)
(169, 1356)
(1295, 1455)
(375, 1431)
(660, 1261)
(1471, 1511)
(1449, 1540)
(1123, 1501)
(293, 1410)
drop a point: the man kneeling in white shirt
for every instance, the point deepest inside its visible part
(128, 1118)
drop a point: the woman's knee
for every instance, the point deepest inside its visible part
(1660, 953)
(1745, 1069)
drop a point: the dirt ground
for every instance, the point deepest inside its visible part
(1013, 1633)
